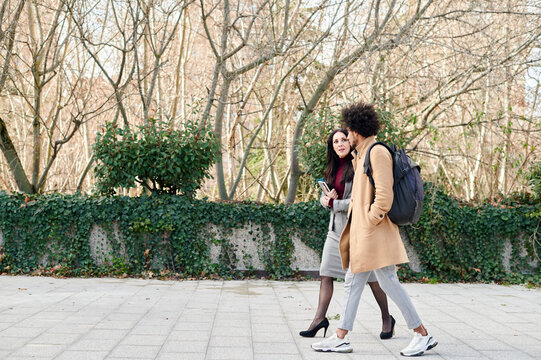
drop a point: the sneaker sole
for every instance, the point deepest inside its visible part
(335, 350)
(421, 352)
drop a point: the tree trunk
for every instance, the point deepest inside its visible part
(179, 70)
(36, 134)
(218, 125)
(295, 172)
(13, 160)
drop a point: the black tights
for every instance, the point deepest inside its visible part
(325, 294)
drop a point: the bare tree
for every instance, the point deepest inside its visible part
(383, 29)
(114, 43)
(50, 93)
(264, 33)
(452, 73)
(9, 20)
(437, 77)
(159, 23)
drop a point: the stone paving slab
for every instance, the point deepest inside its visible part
(87, 319)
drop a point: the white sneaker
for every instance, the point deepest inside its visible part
(334, 344)
(419, 344)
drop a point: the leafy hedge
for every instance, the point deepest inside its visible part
(162, 234)
(457, 242)
(168, 236)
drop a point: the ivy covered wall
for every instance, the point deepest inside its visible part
(179, 237)
(165, 234)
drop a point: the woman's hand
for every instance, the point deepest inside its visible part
(325, 200)
(333, 194)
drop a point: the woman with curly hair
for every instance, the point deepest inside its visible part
(338, 176)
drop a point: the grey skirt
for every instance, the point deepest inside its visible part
(331, 264)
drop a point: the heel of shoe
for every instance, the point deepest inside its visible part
(390, 334)
(325, 332)
(311, 333)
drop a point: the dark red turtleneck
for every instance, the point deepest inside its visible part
(338, 185)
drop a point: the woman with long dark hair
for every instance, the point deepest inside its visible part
(339, 176)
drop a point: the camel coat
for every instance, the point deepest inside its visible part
(370, 239)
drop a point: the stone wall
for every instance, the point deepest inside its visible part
(508, 250)
(247, 250)
(241, 241)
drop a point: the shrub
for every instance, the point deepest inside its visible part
(156, 156)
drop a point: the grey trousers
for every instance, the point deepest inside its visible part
(388, 281)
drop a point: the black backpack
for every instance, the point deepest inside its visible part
(408, 186)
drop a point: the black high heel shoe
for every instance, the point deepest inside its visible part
(388, 335)
(311, 333)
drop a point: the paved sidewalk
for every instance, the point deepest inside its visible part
(47, 318)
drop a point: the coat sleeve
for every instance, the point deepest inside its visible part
(382, 172)
(340, 205)
(321, 200)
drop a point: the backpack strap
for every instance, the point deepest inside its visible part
(368, 166)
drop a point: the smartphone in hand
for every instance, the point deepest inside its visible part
(323, 184)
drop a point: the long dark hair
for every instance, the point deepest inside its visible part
(333, 162)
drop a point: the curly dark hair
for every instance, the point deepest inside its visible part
(361, 118)
(333, 162)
